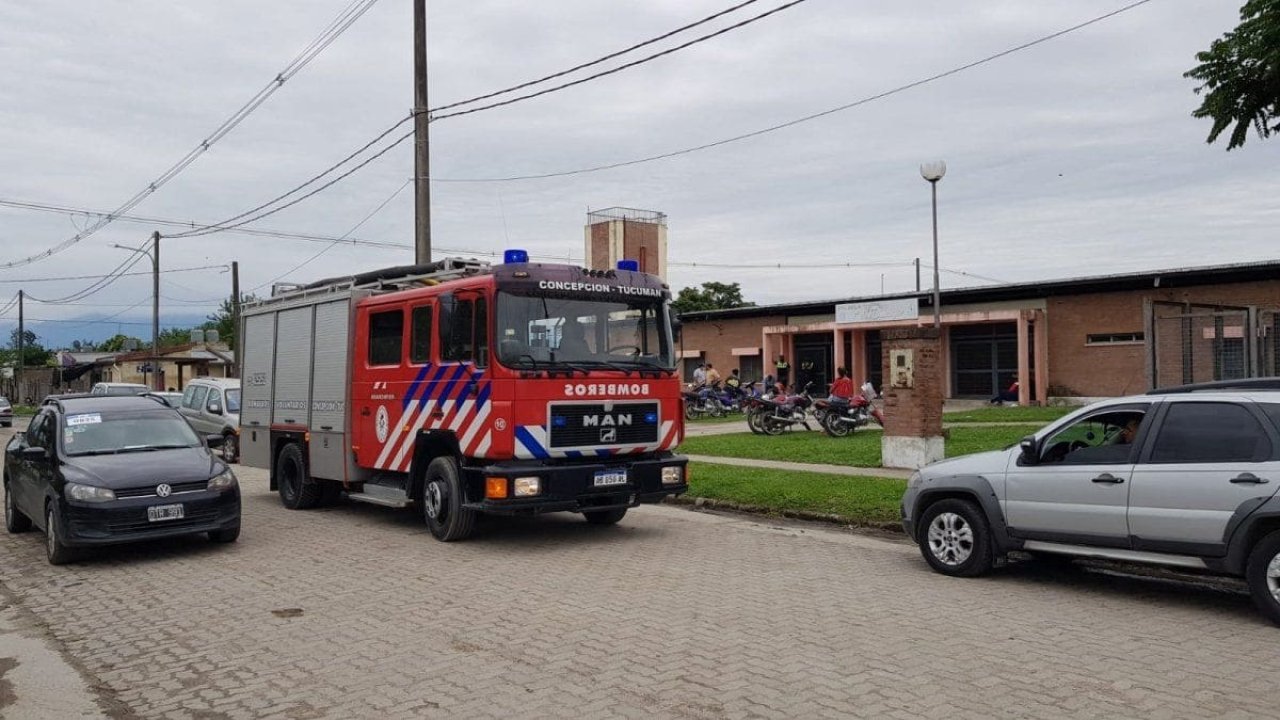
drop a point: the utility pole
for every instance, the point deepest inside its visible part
(422, 144)
(22, 355)
(917, 274)
(235, 314)
(155, 312)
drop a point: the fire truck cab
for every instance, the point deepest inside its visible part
(463, 388)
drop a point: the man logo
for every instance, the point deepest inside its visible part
(609, 435)
(163, 490)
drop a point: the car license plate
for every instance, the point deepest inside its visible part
(614, 476)
(160, 513)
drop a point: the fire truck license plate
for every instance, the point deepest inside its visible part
(612, 476)
(157, 513)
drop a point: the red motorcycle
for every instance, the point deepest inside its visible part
(841, 418)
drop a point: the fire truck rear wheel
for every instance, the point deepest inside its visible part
(442, 500)
(297, 490)
(605, 517)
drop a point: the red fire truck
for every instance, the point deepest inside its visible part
(464, 388)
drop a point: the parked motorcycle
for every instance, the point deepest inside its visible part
(842, 418)
(785, 412)
(702, 401)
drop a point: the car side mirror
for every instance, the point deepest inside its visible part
(1030, 450)
(35, 453)
(213, 441)
(215, 408)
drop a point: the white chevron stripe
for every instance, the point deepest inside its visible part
(470, 433)
(392, 437)
(412, 433)
(664, 434)
(484, 444)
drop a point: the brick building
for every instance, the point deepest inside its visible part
(620, 233)
(1083, 337)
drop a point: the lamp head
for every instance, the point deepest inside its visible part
(933, 171)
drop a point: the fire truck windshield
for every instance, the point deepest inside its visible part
(536, 331)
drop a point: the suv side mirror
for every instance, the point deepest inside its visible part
(35, 453)
(1030, 450)
(215, 408)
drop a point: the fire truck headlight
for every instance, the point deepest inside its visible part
(528, 486)
(673, 475)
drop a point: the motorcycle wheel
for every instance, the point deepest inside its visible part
(832, 426)
(689, 412)
(715, 407)
(753, 422)
(772, 426)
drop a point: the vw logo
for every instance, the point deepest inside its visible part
(163, 490)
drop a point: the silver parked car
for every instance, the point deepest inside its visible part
(212, 406)
(6, 412)
(1183, 477)
(114, 388)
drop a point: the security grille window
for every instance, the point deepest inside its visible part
(386, 337)
(750, 368)
(1195, 432)
(1114, 338)
(420, 342)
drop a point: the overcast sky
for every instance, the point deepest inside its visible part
(1075, 157)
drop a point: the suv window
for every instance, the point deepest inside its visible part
(188, 396)
(386, 336)
(36, 435)
(1273, 411)
(1204, 432)
(197, 398)
(215, 396)
(1105, 437)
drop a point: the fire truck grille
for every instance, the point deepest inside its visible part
(590, 425)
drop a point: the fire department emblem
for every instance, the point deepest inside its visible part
(501, 424)
(608, 435)
(382, 424)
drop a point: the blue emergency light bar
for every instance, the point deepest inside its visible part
(515, 256)
(632, 265)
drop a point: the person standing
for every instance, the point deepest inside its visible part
(713, 375)
(700, 375)
(782, 369)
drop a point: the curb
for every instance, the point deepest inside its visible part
(702, 503)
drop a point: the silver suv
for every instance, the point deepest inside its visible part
(212, 406)
(1183, 477)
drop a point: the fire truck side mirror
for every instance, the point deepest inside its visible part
(676, 325)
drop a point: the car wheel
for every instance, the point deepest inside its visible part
(1263, 575)
(955, 538)
(230, 447)
(605, 517)
(297, 490)
(442, 500)
(57, 552)
(14, 521)
(225, 535)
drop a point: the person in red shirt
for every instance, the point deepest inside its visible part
(1010, 395)
(842, 388)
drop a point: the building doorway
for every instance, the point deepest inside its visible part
(984, 359)
(814, 355)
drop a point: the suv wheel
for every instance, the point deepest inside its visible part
(14, 520)
(955, 538)
(230, 447)
(1263, 575)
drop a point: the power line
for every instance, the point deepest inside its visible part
(335, 28)
(145, 220)
(92, 277)
(617, 69)
(597, 61)
(806, 118)
(344, 236)
(98, 285)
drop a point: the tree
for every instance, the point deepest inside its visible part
(116, 343)
(33, 353)
(224, 320)
(712, 296)
(172, 336)
(1240, 76)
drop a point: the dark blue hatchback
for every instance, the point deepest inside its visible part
(100, 470)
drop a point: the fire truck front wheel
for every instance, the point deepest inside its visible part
(297, 491)
(442, 502)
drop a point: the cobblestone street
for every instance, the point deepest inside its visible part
(356, 611)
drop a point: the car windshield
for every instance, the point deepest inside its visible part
(125, 389)
(233, 400)
(544, 330)
(98, 433)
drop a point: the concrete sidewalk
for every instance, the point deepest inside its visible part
(803, 467)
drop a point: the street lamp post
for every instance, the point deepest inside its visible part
(933, 172)
(154, 254)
